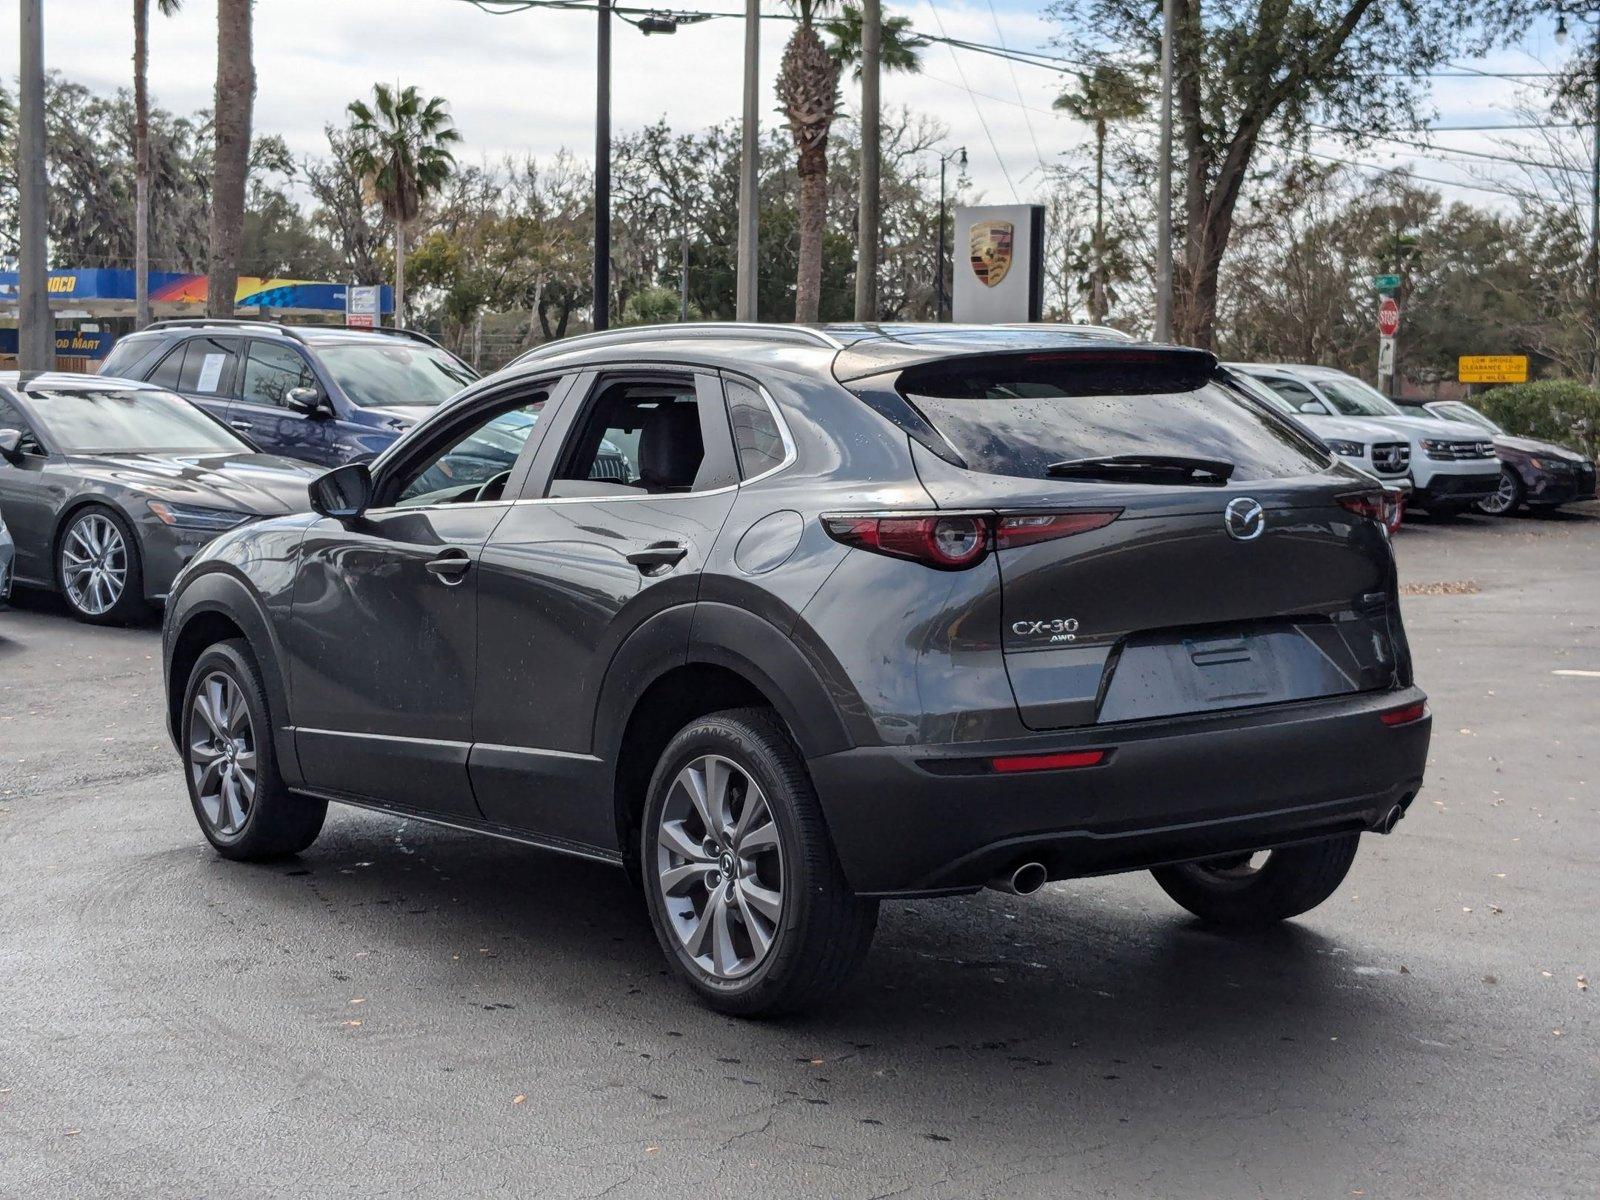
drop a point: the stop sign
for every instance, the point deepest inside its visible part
(1389, 316)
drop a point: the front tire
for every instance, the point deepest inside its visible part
(1241, 892)
(745, 892)
(231, 766)
(1506, 499)
(98, 568)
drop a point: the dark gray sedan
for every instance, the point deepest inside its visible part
(109, 487)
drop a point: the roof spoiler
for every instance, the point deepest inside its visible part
(881, 358)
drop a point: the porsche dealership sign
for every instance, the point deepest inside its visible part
(999, 263)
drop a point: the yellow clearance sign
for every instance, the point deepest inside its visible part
(1492, 368)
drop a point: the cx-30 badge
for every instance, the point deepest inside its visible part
(1245, 519)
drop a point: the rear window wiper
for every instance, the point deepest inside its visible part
(1145, 468)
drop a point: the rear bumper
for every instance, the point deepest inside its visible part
(1458, 489)
(926, 820)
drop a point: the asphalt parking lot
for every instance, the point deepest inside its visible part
(404, 1010)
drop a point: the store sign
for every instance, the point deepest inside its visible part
(361, 306)
(1492, 368)
(999, 264)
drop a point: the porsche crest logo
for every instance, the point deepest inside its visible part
(991, 250)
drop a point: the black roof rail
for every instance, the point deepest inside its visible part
(794, 334)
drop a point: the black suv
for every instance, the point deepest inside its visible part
(881, 611)
(325, 394)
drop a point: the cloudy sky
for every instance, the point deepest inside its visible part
(525, 81)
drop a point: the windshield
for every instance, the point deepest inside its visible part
(1019, 419)
(380, 375)
(1454, 410)
(1353, 398)
(147, 422)
(1261, 392)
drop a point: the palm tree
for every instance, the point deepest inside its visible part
(1105, 95)
(898, 48)
(236, 93)
(808, 90)
(141, 154)
(402, 150)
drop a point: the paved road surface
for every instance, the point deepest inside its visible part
(405, 1011)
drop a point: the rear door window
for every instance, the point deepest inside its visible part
(208, 366)
(1017, 416)
(756, 437)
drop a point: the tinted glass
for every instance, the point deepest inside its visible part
(481, 456)
(379, 375)
(271, 370)
(1018, 419)
(129, 356)
(95, 422)
(207, 367)
(168, 369)
(643, 436)
(1352, 398)
(11, 418)
(755, 430)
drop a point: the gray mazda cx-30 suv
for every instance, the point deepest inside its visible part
(876, 611)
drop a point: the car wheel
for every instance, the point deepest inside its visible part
(98, 569)
(1249, 890)
(231, 766)
(745, 892)
(1506, 499)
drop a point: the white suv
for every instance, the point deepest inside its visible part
(1452, 464)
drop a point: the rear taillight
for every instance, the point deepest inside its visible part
(1405, 716)
(1384, 507)
(947, 543)
(952, 541)
(1026, 529)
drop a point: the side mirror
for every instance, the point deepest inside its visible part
(10, 445)
(1313, 407)
(307, 400)
(343, 493)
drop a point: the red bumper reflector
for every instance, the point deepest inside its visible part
(1048, 762)
(1406, 715)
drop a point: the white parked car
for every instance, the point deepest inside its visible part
(1376, 449)
(1452, 464)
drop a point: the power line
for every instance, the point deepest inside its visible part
(1460, 152)
(1380, 169)
(977, 108)
(1017, 84)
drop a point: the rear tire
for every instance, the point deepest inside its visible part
(1233, 893)
(744, 889)
(231, 765)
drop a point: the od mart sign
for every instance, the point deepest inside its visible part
(1492, 368)
(1388, 316)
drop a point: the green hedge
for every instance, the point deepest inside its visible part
(1556, 410)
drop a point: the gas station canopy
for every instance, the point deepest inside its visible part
(102, 293)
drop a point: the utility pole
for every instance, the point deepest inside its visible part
(867, 198)
(938, 270)
(602, 169)
(36, 329)
(1169, 22)
(749, 167)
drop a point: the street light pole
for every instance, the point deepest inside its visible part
(602, 170)
(1591, 16)
(36, 331)
(1169, 21)
(938, 270)
(749, 167)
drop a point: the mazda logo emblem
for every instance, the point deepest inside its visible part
(1245, 519)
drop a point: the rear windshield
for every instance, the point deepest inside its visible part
(1017, 419)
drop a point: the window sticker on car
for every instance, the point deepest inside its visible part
(210, 373)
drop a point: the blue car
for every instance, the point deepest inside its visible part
(326, 395)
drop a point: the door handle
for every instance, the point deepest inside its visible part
(241, 426)
(450, 568)
(659, 556)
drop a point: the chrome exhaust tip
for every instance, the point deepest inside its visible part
(1024, 881)
(1391, 819)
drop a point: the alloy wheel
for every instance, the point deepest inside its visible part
(1504, 498)
(222, 754)
(94, 561)
(719, 867)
